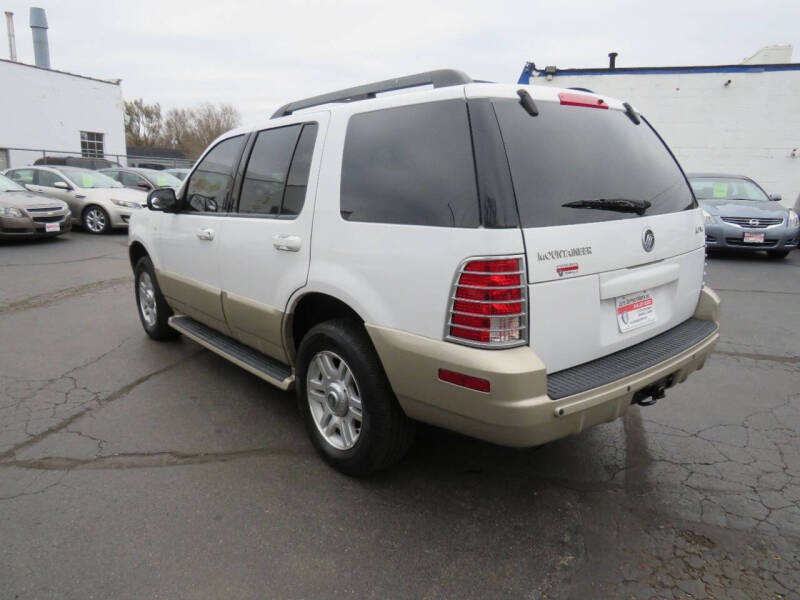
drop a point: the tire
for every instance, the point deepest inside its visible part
(95, 220)
(777, 254)
(154, 312)
(383, 434)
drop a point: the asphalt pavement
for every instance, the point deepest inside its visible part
(136, 469)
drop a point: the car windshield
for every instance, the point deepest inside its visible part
(6, 185)
(161, 178)
(726, 188)
(86, 178)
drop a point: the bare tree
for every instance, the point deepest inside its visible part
(188, 129)
(177, 128)
(142, 123)
(208, 123)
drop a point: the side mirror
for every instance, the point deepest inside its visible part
(775, 197)
(144, 185)
(61, 185)
(163, 199)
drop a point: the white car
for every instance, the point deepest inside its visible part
(96, 201)
(515, 263)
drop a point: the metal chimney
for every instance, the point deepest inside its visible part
(12, 42)
(41, 49)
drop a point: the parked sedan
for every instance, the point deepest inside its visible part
(96, 201)
(23, 214)
(740, 215)
(142, 179)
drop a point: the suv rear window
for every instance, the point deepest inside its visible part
(410, 165)
(568, 154)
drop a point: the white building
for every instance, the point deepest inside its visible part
(47, 110)
(742, 118)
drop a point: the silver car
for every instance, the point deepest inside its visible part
(740, 215)
(142, 179)
(25, 215)
(97, 202)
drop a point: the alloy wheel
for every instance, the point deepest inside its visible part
(334, 400)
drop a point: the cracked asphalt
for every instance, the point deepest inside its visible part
(133, 469)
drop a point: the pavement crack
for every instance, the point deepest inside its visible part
(777, 358)
(96, 403)
(50, 298)
(144, 460)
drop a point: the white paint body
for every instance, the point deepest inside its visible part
(401, 276)
(46, 109)
(749, 127)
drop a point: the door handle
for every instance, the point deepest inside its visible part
(205, 234)
(286, 242)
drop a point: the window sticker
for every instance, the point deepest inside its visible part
(161, 181)
(87, 181)
(720, 190)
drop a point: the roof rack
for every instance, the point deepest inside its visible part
(440, 78)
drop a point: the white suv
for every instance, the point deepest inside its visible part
(516, 263)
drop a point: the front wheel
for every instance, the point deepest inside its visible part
(154, 312)
(95, 220)
(351, 413)
(777, 254)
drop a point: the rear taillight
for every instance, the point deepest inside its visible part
(489, 303)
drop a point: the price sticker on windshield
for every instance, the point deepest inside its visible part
(635, 310)
(720, 190)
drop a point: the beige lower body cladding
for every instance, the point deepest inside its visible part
(517, 411)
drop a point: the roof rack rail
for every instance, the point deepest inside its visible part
(440, 78)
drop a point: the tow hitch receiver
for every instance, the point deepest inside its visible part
(654, 392)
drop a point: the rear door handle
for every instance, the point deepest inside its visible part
(205, 234)
(286, 242)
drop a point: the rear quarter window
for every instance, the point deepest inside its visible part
(410, 165)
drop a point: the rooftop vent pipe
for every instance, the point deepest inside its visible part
(41, 49)
(12, 42)
(612, 60)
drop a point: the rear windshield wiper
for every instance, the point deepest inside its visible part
(616, 204)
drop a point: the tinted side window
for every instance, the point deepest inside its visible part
(211, 182)
(296, 183)
(115, 175)
(265, 177)
(22, 176)
(47, 178)
(131, 179)
(410, 165)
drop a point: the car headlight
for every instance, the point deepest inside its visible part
(794, 220)
(707, 217)
(10, 211)
(126, 203)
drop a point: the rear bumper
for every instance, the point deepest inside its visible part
(730, 237)
(519, 411)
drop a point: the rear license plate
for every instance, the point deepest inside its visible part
(635, 310)
(753, 238)
(48, 227)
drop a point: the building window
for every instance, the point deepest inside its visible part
(91, 144)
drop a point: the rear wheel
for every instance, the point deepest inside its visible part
(95, 220)
(351, 413)
(778, 254)
(154, 312)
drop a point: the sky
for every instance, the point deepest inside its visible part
(259, 55)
